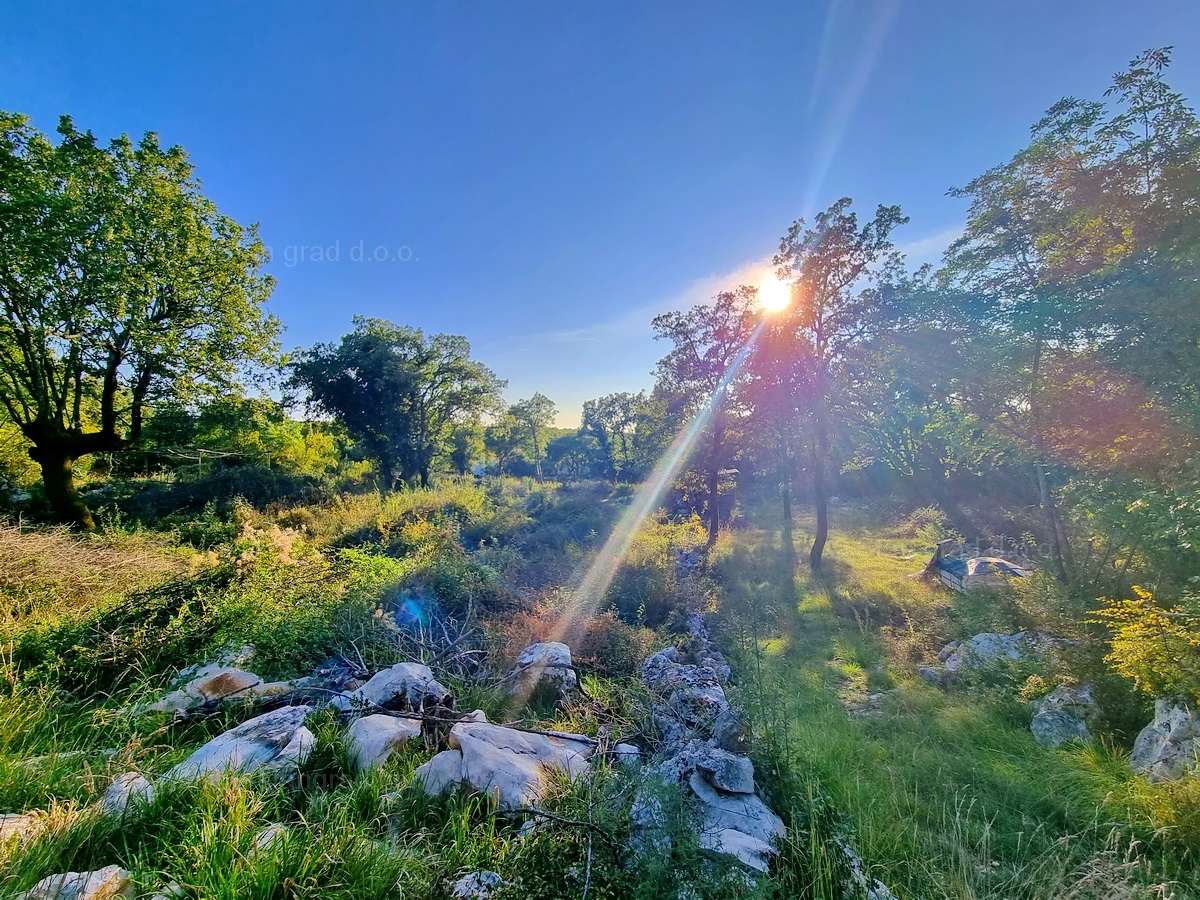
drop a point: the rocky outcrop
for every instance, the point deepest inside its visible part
(1063, 715)
(274, 744)
(101, 884)
(542, 667)
(513, 767)
(986, 650)
(691, 701)
(127, 791)
(372, 739)
(1169, 747)
(405, 687)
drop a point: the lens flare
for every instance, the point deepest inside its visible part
(588, 596)
(774, 295)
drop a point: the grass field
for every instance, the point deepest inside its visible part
(946, 793)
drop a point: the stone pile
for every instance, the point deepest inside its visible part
(701, 737)
(986, 650)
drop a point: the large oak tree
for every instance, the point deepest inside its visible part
(120, 285)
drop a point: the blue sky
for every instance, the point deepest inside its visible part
(544, 178)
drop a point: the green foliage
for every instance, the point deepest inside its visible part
(125, 286)
(1156, 644)
(396, 392)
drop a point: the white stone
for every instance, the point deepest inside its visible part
(744, 814)
(101, 884)
(627, 755)
(406, 687)
(547, 663)
(372, 739)
(1169, 747)
(476, 886)
(275, 743)
(726, 771)
(269, 837)
(513, 767)
(130, 789)
(442, 774)
(1053, 728)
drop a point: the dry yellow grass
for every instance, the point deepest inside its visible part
(42, 567)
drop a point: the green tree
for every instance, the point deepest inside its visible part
(839, 274)
(699, 373)
(398, 393)
(1081, 251)
(466, 444)
(504, 439)
(611, 421)
(535, 414)
(572, 455)
(120, 286)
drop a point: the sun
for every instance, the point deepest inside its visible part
(774, 295)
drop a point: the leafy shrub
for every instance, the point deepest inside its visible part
(257, 485)
(1156, 644)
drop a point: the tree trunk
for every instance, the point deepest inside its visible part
(787, 538)
(820, 488)
(58, 478)
(1052, 526)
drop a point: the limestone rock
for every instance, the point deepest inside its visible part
(692, 700)
(1063, 714)
(1169, 747)
(442, 774)
(1076, 699)
(628, 755)
(130, 789)
(275, 743)
(231, 657)
(512, 766)
(101, 884)
(21, 826)
(1053, 728)
(372, 739)
(405, 687)
(740, 825)
(269, 837)
(726, 771)
(985, 650)
(547, 664)
(225, 682)
(476, 886)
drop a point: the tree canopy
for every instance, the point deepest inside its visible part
(120, 286)
(398, 393)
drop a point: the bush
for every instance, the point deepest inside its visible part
(1156, 644)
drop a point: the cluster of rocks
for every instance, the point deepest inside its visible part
(1167, 749)
(513, 767)
(986, 650)
(701, 737)
(228, 678)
